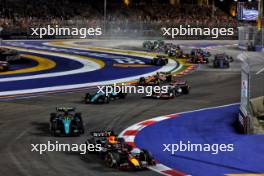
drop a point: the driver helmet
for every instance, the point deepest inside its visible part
(112, 140)
(135, 152)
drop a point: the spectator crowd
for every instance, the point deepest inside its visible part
(23, 14)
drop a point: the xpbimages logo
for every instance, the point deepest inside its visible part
(65, 31)
(128, 89)
(214, 32)
(58, 147)
(193, 147)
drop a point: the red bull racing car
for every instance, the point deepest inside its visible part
(117, 154)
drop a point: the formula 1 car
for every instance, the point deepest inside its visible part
(174, 89)
(199, 51)
(9, 55)
(116, 153)
(169, 92)
(4, 66)
(175, 51)
(148, 81)
(181, 87)
(148, 45)
(97, 97)
(104, 141)
(119, 95)
(198, 59)
(125, 159)
(157, 45)
(66, 122)
(102, 97)
(160, 77)
(222, 61)
(159, 60)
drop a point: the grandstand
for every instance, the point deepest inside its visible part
(121, 18)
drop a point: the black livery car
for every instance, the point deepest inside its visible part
(118, 154)
(160, 60)
(4, 66)
(222, 61)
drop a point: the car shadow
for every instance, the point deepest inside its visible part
(41, 129)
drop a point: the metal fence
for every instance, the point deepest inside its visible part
(252, 86)
(251, 36)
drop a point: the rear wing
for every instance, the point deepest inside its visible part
(65, 109)
(102, 133)
(179, 82)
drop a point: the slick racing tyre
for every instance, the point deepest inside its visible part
(78, 116)
(106, 99)
(112, 159)
(147, 156)
(87, 98)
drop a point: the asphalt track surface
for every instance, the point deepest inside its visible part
(25, 121)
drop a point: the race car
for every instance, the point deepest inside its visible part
(104, 141)
(116, 153)
(103, 97)
(175, 51)
(160, 77)
(9, 55)
(166, 91)
(126, 159)
(119, 95)
(181, 87)
(198, 59)
(157, 45)
(159, 60)
(148, 45)
(97, 97)
(172, 90)
(199, 51)
(66, 122)
(4, 66)
(150, 80)
(222, 61)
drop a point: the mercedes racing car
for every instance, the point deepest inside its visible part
(159, 60)
(222, 61)
(65, 121)
(118, 154)
(4, 66)
(97, 97)
(9, 55)
(103, 97)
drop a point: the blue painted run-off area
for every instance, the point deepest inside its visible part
(210, 126)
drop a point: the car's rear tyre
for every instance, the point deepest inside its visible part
(111, 160)
(87, 98)
(106, 99)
